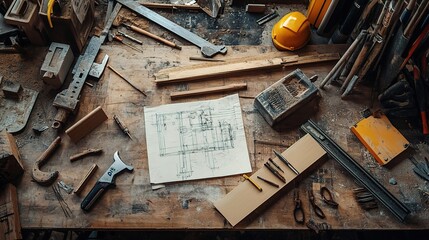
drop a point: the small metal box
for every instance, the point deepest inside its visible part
(24, 14)
(283, 97)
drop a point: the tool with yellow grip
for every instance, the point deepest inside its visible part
(49, 12)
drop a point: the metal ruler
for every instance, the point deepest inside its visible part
(67, 100)
(356, 170)
(207, 49)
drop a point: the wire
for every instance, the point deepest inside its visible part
(49, 12)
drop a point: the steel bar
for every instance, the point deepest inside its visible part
(207, 49)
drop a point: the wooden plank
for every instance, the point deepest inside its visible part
(85, 125)
(256, 8)
(210, 90)
(85, 179)
(10, 160)
(245, 199)
(10, 224)
(226, 69)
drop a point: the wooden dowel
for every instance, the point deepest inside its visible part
(151, 35)
(203, 91)
(171, 6)
(82, 154)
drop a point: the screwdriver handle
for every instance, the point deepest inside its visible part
(122, 126)
(117, 38)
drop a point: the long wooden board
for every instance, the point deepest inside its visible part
(237, 66)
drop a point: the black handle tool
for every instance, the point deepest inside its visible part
(105, 181)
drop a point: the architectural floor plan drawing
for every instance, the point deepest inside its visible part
(196, 140)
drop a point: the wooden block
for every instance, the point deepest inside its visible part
(85, 125)
(11, 90)
(255, 8)
(10, 224)
(10, 160)
(246, 199)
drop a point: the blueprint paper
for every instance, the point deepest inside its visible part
(196, 140)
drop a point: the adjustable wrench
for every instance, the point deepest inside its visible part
(104, 182)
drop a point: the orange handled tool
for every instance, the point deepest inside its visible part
(421, 98)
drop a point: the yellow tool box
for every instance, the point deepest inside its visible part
(380, 137)
(316, 11)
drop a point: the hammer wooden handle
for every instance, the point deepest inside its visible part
(45, 178)
(42, 158)
(151, 35)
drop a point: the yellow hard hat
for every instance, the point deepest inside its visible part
(292, 32)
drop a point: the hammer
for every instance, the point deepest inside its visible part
(45, 178)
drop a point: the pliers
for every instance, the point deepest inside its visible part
(316, 208)
(298, 212)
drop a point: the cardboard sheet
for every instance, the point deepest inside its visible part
(245, 198)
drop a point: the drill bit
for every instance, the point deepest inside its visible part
(122, 126)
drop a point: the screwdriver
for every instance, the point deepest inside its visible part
(122, 126)
(119, 39)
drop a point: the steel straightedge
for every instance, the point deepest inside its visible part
(357, 171)
(207, 49)
(67, 100)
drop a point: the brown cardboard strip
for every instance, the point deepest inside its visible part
(245, 198)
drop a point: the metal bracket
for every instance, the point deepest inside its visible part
(357, 171)
(67, 100)
(207, 49)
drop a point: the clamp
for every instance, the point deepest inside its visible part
(316, 208)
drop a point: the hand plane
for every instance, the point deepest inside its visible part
(104, 182)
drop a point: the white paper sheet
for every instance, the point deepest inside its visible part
(196, 140)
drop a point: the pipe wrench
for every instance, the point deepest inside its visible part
(105, 181)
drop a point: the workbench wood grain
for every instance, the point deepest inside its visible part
(132, 204)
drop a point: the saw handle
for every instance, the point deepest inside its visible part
(96, 192)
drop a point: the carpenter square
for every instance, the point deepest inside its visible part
(207, 49)
(106, 181)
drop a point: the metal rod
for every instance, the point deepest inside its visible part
(126, 80)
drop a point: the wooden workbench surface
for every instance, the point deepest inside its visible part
(189, 205)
